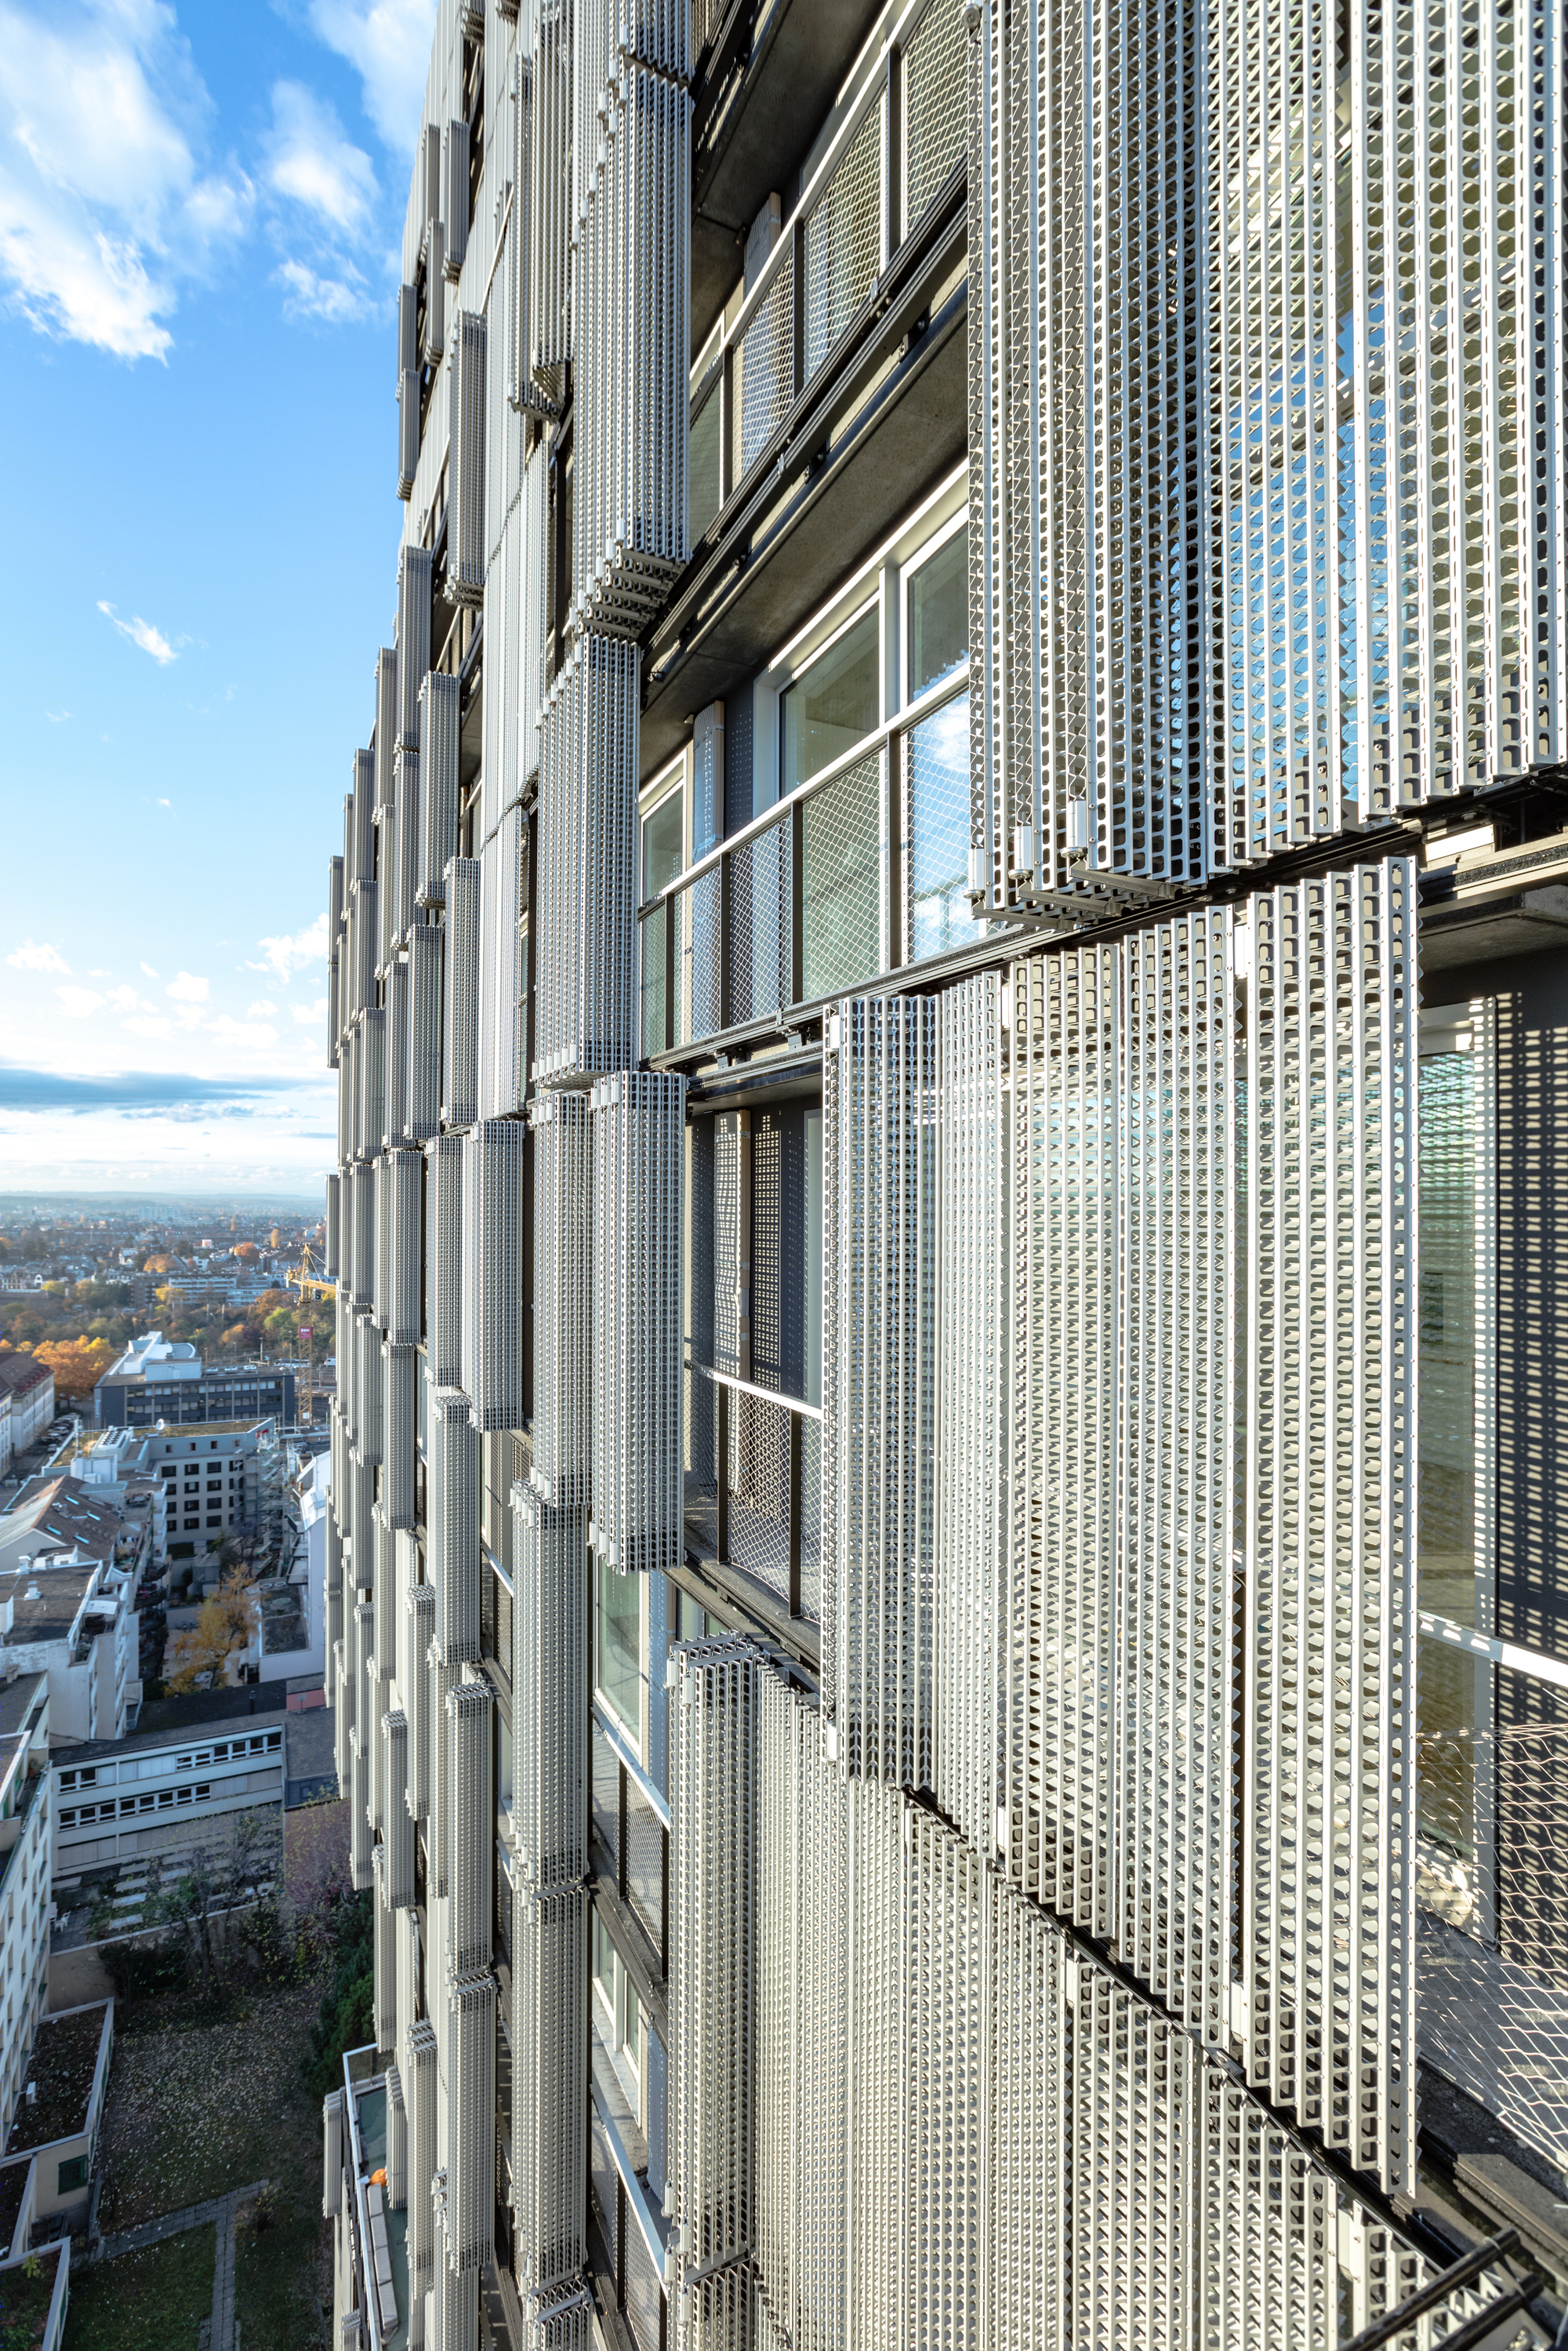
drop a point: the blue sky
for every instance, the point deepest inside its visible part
(200, 210)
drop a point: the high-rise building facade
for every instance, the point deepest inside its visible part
(945, 1584)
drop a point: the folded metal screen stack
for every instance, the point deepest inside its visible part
(443, 1262)
(415, 569)
(415, 1634)
(385, 2003)
(470, 2229)
(550, 1682)
(405, 874)
(398, 1832)
(425, 978)
(455, 195)
(399, 1184)
(470, 1710)
(465, 496)
(492, 1332)
(548, 310)
(452, 1524)
(400, 1397)
(879, 1317)
(460, 1011)
(638, 1155)
(586, 893)
(441, 705)
(563, 1296)
(389, 731)
(368, 1388)
(502, 989)
(394, 1104)
(421, 2092)
(550, 2053)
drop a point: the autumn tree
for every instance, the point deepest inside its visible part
(77, 1363)
(224, 1627)
(248, 1252)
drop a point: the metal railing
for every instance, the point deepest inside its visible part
(753, 1465)
(862, 870)
(902, 138)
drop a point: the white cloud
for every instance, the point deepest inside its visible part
(240, 1032)
(312, 163)
(56, 718)
(259, 1011)
(309, 1014)
(334, 300)
(387, 43)
(124, 1000)
(285, 956)
(150, 1024)
(142, 633)
(185, 988)
(37, 957)
(149, 970)
(104, 202)
(162, 803)
(77, 1003)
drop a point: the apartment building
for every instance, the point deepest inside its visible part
(74, 1621)
(158, 1790)
(24, 1878)
(158, 1379)
(214, 1483)
(31, 1388)
(947, 980)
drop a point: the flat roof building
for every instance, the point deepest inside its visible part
(159, 1380)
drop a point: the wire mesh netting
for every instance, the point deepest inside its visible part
(938, 915)
(606, 1795)
(700, 1008)
(604, 2183)
(700, 1467)
(645, 1863)
(653, 928)
(841, 893)
(935, 79)
(759, 1491)
(844, 242)
(766, 365)
(641, 2288)
(761, 884)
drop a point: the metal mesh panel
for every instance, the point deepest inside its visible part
(415, 1636)
(651, 936)
(466, 494)
(454, 194)
(644, 1835)
(935, 74)
(470, 1795)
(400, 1375)
(492, 1334)
(452, 1551)
(937, 913)
(443, 1261)
(549, 2053)
(844, 242)
(971, 1486)
(841, 890)
(588, 792)
(765, 365)
(643, 2294)
(441, 703)
(414, 594)
(878, 1379)
(699, 980)
(401, 1195)
(699, 1460)
(759, 919)
(604, 1794)
(503, 970)
(398, 1832)
(1330, 1530)
(563, 1296)
(471, 2120)
(639, 1120)
(460, 1022)
(549, 1684)
(760, 1490)
(605, 2184)
(561, 2322)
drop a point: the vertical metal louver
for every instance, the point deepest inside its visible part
(879, 1318)
(460, 1023)
(332, 2153)
(422, 2092)
(972, 1421)
(366, 925)
(413, 595)
(532, 684)
(398, 1830)
(470, 2227)
(455, 190)
(384, 1600)
(330, 1258)
(452, 1522)
(550, 2054)
(405, 870)
(713, 1883)
(1327, 1808)
(550, 223)
(399, 1373)
(471, 1827)
(397, 2142)
(563, 1296)
(549, 1686)
(407, 433)
(434, 294)
(465, 549)
(628, 515)
(361, 1284)
(415, 1634)
(440, 722)
(368, 1388)
(401, 1186)
(385, 1956)
(425, 975)
(388, 734)
(492, 1334)
(335, 897)
(639, 1157)
(443, 1262)
(524, 388)
(503, 972)
(587, 891)
(1084, 433)
(394, 1105)
(360, 812)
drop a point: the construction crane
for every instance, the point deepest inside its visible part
(310, 1282)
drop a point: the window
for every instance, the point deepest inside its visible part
(939, 615)
(620, 1645)
(939, 914)
(832, 704)
(661, 847)
(72, 2174)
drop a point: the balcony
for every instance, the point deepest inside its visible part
(378, 2232)
(843, 369)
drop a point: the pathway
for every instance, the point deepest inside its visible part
(219, 2333)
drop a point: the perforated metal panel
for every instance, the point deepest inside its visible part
(563, 1296)
(425, 980)
(441, 703)
(1327, 1804)
(549, 1684)
(443, 1262)
(414, 594)
(455, 196)
(879, 1336)
(550, 2053)
(452, 1531)
(460, 1011)
(470, 2217)
(587, 889)
(492, 1332)
(400, 1375)
(465, 549)
(638, 1121)
(472, 1825)
(550, 222)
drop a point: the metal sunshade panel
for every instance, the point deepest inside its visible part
(388, 734)
(413, 595)
(547, 309)
(587, 883)
(452, 1524)
(503, 971)
(470, 2216)
(460, 1011)
(454, 191)
(468, 1731)
(465, 549)
(400, 1375)
(440, 704)
(879, 1349)
(492, 1332)
(550, 1666)
(426, 943)
(638, 1160)
(549, 2053)
(443, 1262)
(563, 1296)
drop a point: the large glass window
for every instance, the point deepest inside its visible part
(620, 1659)
(832, 704)
(939, 615)
(661, 857)
(704, 453)
(939, 914)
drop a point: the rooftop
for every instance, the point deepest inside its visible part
(17, 1699)
(13, 2188)
(61, 2069)
(60, 1511)
(175, 1734)
(48, 1605)
(154, 1356)
(19, 1371)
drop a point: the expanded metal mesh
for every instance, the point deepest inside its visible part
(840, 884)
(413, 595)
(550, 2054)
(460, 1011)
(443, 1262)
(758, 1472)
(493, 1241)
(452, 1524)
(765, 366)
(440, 704)
(465, 549)
(935, 81)
(586, 891)
(638, 1120)
(759, 924)
(549, 1684)
(844, 242)
(879, 1335)
(563, 1296)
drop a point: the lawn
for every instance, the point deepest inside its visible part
(153, 2301)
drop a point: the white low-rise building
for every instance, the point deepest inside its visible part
(75, 1621)
(24, 1873)
(115, 1798)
